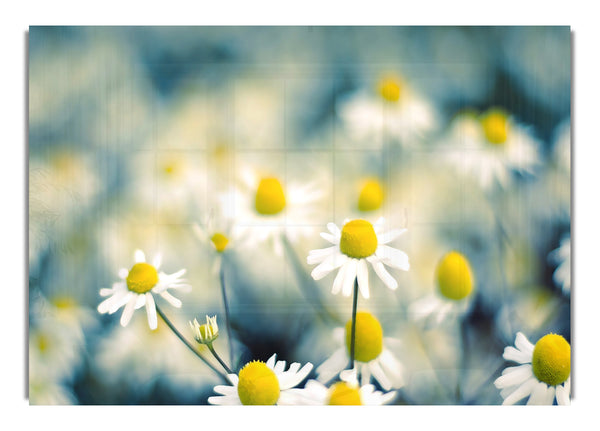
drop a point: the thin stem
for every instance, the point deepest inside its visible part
(353, 333)
(187, 343)
(226, 308)
(218, 358)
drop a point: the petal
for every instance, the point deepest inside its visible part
(288, 380)
(521, 392)
(157, 261)
(523, 344)
(332, 227)
(271, 361)
(339, 280)
(393, 257)
(170, 299)
(329, 238)
(139, 256)
(129, 309)
(513, 376)
(380, 375)
(362, 274)
(389, 236)
(279, 367)
(332, 366)
(512, 354)
(225, 390)
(151, 311)
(563, 393)
(539, 394)
(123, 273)
(319, 255)
(349, 277)
(382, 273)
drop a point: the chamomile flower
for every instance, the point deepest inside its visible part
(265, 206)
(490, 147)
(454, 281)
(357, 243)
(544, 373)
(260, 383)
(392, 107)
(346, 392)
(137, 289)
(218, 232)
(206, 333)
(562, 257)
(371, 356)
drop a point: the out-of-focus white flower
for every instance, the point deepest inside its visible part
(372, 357)
(346, 392)
(49, 393)
(260, 383)
(137, 288)
(490, 147)
(394, 111)
(544, 373)
(454, 282)
(217, 232)
(265, 208)
(357, 243)
(562, 257)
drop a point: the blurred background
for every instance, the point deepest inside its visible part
(136, 134)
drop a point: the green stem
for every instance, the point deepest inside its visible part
(353, 333)
(218, 358)
(226, 308)
(187, 343)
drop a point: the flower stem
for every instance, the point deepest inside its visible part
(353, 333)
(187, 343)
(218, 358)
(227, 319)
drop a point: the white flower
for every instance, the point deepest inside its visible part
(345, 392)
(489, 147)
(357, 243)
(264, 207)
(260, 383)
(218, 232)
(207, 333)
(371, 356)
(562, 256)
(394, 110)
(137, 289)
(454, 287)
(544, 373)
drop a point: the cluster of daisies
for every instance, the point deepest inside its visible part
(362, 370)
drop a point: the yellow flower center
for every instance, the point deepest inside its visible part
(42, 342)
(142, 277)
(454, 276)
(342, 394)
(371, 196)
(368, 340)
(64, 302)
(495, 126)
(220, 241)
(390, 89)
(258, 385)
(270, 198)
(358, 239)
(551, 360)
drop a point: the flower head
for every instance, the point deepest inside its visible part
(206, 333)
(260, 383)
(137, 288)
(544, 373)
(357, 243)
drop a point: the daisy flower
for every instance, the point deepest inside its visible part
(357, 243)
(454, 281)
(137, 289)
(544, 373)
(218, 233)
(346, 392)
(206, 333)
(394, 107)
(372, 358)
(490, 146)
(265, 207)
(562, 256)
(260, 383)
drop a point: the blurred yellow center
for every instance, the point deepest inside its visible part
(142, 277)
(390, 89)
(42, 342)
(368, 341)
(371, 196)
(64, 302)
(495, 126)
(341, 394)
(258, 385)
(551, 360)
(358, 239)
(270, 198)
(454, 277)
(220, 241)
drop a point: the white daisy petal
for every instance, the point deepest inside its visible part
(389, 236)
(362, 275)
(335, 231)
(170, 299)
(157, 261)
(332, 366)
(128, 311)
(151, 311)
(349, 277)
(521, 392)
(379, 375)
(563, 397)
(271, 361)
(523, 344)
(329, 238)
(317, 256)
(393, 257)
(539, 394)
(225, 390)
(382, 273)
(513, 376)
(512, 354)
(339, 280)
(279, 367)
(139, 256)
(289, 380)
(123, 273)
(225, 401)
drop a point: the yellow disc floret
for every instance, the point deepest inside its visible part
(495, 126)
(342, 394)
(142, 277)
(358, 239)
(368, 340)
(258, 385)
(270, 198)
(551, 360)
(390, 89)
(371, 196)
(454, 276)
(220, 241)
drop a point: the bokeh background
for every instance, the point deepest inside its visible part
(135, 134)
